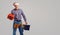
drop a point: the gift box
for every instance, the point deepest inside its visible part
(10, 16)
(26, 27)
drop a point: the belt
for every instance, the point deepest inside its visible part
(17, 21)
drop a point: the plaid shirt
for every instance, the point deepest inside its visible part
(18, 14)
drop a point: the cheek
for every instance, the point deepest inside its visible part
(16, 6)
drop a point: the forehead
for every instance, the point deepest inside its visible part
(15, 3)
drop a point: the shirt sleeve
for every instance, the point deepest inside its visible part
(11, 11)
(24, 17)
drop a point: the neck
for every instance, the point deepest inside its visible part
(16, 8)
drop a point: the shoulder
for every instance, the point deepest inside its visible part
(20, 9)
(12, 10)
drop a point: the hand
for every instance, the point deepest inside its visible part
(26, 23)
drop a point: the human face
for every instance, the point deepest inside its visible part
(16, 6)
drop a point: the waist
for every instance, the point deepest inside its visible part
(17, 20)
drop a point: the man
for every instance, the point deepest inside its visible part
(17, 18)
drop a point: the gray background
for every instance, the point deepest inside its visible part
(42, 15)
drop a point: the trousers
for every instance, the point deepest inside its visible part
(20, 28)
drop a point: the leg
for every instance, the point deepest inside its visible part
(14, 30)
(21, 30)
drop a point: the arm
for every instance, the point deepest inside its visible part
(22, 13)
(11, 11)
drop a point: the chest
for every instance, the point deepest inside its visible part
(17, 12)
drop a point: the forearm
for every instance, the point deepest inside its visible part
(24, 18)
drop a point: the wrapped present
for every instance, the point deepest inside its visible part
(10, 16)
(26, 27)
